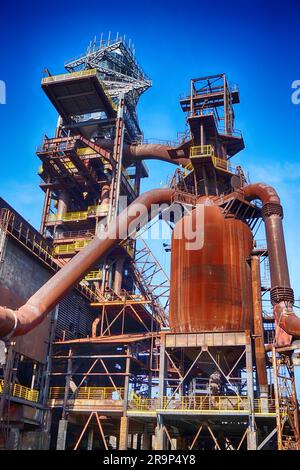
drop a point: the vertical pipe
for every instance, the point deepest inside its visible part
(277, 403)
(124, 425)
(105, 189)
(63, 202)
(251, 434)
(119, 275)
(260, 354)
(279, 271)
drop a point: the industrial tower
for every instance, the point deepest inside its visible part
(190, 362)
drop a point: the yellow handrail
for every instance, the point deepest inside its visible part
(200, 403)
(67, 216)
(201, 151)
(67, 248)
(89, 393)
(20, 391)
(94, 275)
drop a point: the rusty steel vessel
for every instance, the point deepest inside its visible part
(216, 277)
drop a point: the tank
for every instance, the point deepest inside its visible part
(211, 286)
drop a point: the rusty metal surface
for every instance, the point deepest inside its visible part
(260, 353)
(279, 271)
(287, 323)
(31, 314)
(211, 287)
(149, 152)
(261, 191)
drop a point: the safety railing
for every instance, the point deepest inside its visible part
(22, 392)
(68, 216)
(204, 151)
(205, 403)
(69, 76)
(74, 234)
(94, 276)
(67, 248)
(78, 215)
(88, 393)
(201, 151)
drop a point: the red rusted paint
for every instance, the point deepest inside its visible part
(211, 287)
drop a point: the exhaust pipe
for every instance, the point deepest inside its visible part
(21, 321)
(282, 295)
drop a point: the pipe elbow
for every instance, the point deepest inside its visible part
(262, 191)
(19, 322)
(8, 322)
(287, 319)
(155, 152)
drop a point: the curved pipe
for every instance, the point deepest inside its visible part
(282, 296)
(31, 314)
(261, 191)
(146, 152)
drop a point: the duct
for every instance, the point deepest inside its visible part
(258, 328)
(147, 152)
(282, 296)
(31, 314)
(119, 275)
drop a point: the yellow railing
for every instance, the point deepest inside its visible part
(200, 404)
(88, 393)
(68, 216)
(25, 393)
(67, 248)
(69, 165)
(189, 167)
(201, 151)
(225, 165)
(80, 74)
(79, 215)
(85, 151)
(94, 275)
(68, 76)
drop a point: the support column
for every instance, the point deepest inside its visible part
(251, 434)
(13, 439)
(46, 207)
(62, 204)
(159, 434)
(146, 441)
(260, 354)
(63, 423)
(124, 425)
(62, 434)
(162, 369)
(90, 440)
(119, 275)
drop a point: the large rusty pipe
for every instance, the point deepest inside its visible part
(260, 354)
(31, 314)
(282, 296)
(118, 275)
(147, 152)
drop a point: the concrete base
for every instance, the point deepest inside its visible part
(251, 440)
(62, 434)
(124, 425)
(146, 441)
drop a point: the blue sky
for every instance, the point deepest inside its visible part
(256, 43)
